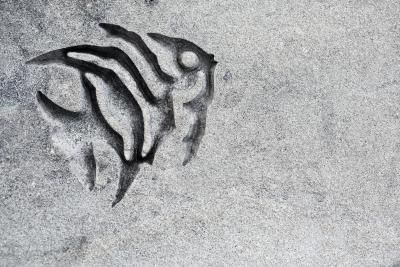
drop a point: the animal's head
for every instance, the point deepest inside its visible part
(192, 62)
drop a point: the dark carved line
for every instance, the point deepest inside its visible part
(54, 111)
(137, 41)
(122, 58)
(126, 176)
(90, 162)
(114, 139)
(194, 136)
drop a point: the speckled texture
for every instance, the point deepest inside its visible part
(300, 164)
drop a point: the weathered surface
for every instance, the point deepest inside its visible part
(299, 165)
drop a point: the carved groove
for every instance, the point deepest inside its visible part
(137, 41)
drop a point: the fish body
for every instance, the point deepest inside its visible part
(90, 123)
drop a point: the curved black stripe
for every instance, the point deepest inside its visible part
(137, 41)
(115, 140)
(126, 176)
(123, 59)
(90, 165)
(55, 111)
(194, 136)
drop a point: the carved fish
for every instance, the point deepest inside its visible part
(192, 63)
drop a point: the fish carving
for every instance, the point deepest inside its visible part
(190, 60)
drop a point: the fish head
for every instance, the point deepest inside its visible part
(193, 63)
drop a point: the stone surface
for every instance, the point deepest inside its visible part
(300, 164)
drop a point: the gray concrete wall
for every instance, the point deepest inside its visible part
(300, 164)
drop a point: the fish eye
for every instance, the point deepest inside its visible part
(188, 60)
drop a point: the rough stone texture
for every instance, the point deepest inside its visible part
(300, 164)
